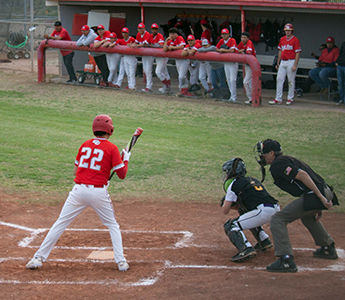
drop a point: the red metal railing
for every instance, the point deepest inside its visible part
(208, 56)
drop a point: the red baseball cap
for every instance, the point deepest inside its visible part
(125, 29)
(190, 37)
(154, 25)
(224, 30)
(330, 40)
(100, 27)
(141, 25)
(85, 27)
(113, 35)
(203, 22)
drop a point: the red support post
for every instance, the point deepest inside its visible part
(156, 52)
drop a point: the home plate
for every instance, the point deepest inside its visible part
(102, 255)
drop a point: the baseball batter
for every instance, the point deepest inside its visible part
(228, 45)
(288, 58)
(95, 160)
(246, 46)
(257, 205)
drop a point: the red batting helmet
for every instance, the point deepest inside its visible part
(103, 123)
(288, 26)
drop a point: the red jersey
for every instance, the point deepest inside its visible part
(196, 46)
(249, 48)
(105, 36)
(206, 34)
(179, 41)
(329, 56)
(142, 39)
(156, 40)
(96, 158)
(289, 47)
(231, 43)
(64, 37)
(123, 42)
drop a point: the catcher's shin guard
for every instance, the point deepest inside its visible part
(235, 235)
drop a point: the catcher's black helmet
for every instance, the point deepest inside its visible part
(234, 168)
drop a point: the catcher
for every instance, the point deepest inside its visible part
(255, 205)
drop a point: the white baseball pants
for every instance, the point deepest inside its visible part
(130, 63)
(182, 66)
(162, 69)
(112, 61)
(231, 77)
(285, 68)
(121, 72)
(81, 197)
(204, 69)
(147, 66)
(247, 81)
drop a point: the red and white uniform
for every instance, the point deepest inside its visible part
(230, 69)
(104, 37)
(113, 61)
(63, 34)
(206, 34)
(130, 63)
(288, 47)
(194, 65)
(247, 80)
(147, 60)
(181, 66)
(157, 41)
(95, 160)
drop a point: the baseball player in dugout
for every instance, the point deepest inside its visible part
(96, 159)
(288, 58)
(314, 195)
(255, 206)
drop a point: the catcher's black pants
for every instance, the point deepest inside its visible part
(101, 62)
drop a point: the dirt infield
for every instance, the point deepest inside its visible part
(175, 251)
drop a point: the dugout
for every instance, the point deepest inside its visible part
(313, 21)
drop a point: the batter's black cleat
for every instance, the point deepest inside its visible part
(246, 254)
(264, 245)
(328, 252)
(284, 264)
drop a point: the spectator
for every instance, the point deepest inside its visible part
(246, 46)
(228, 45)
(325, 67)
(176, 42)
(288, 58)
(142, 41)
(340, 64)
(100, 58)
(61, 33)
(129, 61)
(112, 59)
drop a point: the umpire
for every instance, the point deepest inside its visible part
(298, 179)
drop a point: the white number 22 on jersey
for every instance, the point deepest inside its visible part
(97, 156)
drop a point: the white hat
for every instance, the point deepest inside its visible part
(204, 42)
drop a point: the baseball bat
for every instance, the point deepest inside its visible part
(131, 143)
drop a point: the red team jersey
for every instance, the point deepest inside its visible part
(95, 160)
(196, 46)
(142, 39)
(177, 42)
(289, 47)
(156, 40)
(249, 48)
(65, 37)
(105, 36)
(206, 34)
(231, 43)
(329, 56)
(123, 42)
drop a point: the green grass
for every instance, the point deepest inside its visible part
(180, 153)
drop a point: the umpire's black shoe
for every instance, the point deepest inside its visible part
(263, 245)
(241, 256)
(328, 252)
(284, 264)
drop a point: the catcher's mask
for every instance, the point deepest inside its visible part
(232, 169)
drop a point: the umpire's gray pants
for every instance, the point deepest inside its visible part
(290, 213)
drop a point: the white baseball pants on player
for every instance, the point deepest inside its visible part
(194, 72)
(81, 197)
(182, 66)
(121, 72)
(231, 77)
(130, 63)
(247, 81)
(162, 69)
(255, 218)
(205, 69)
(147, 66)
(112, 61)
(285, 67)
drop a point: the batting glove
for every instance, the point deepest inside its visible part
(126, 155)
